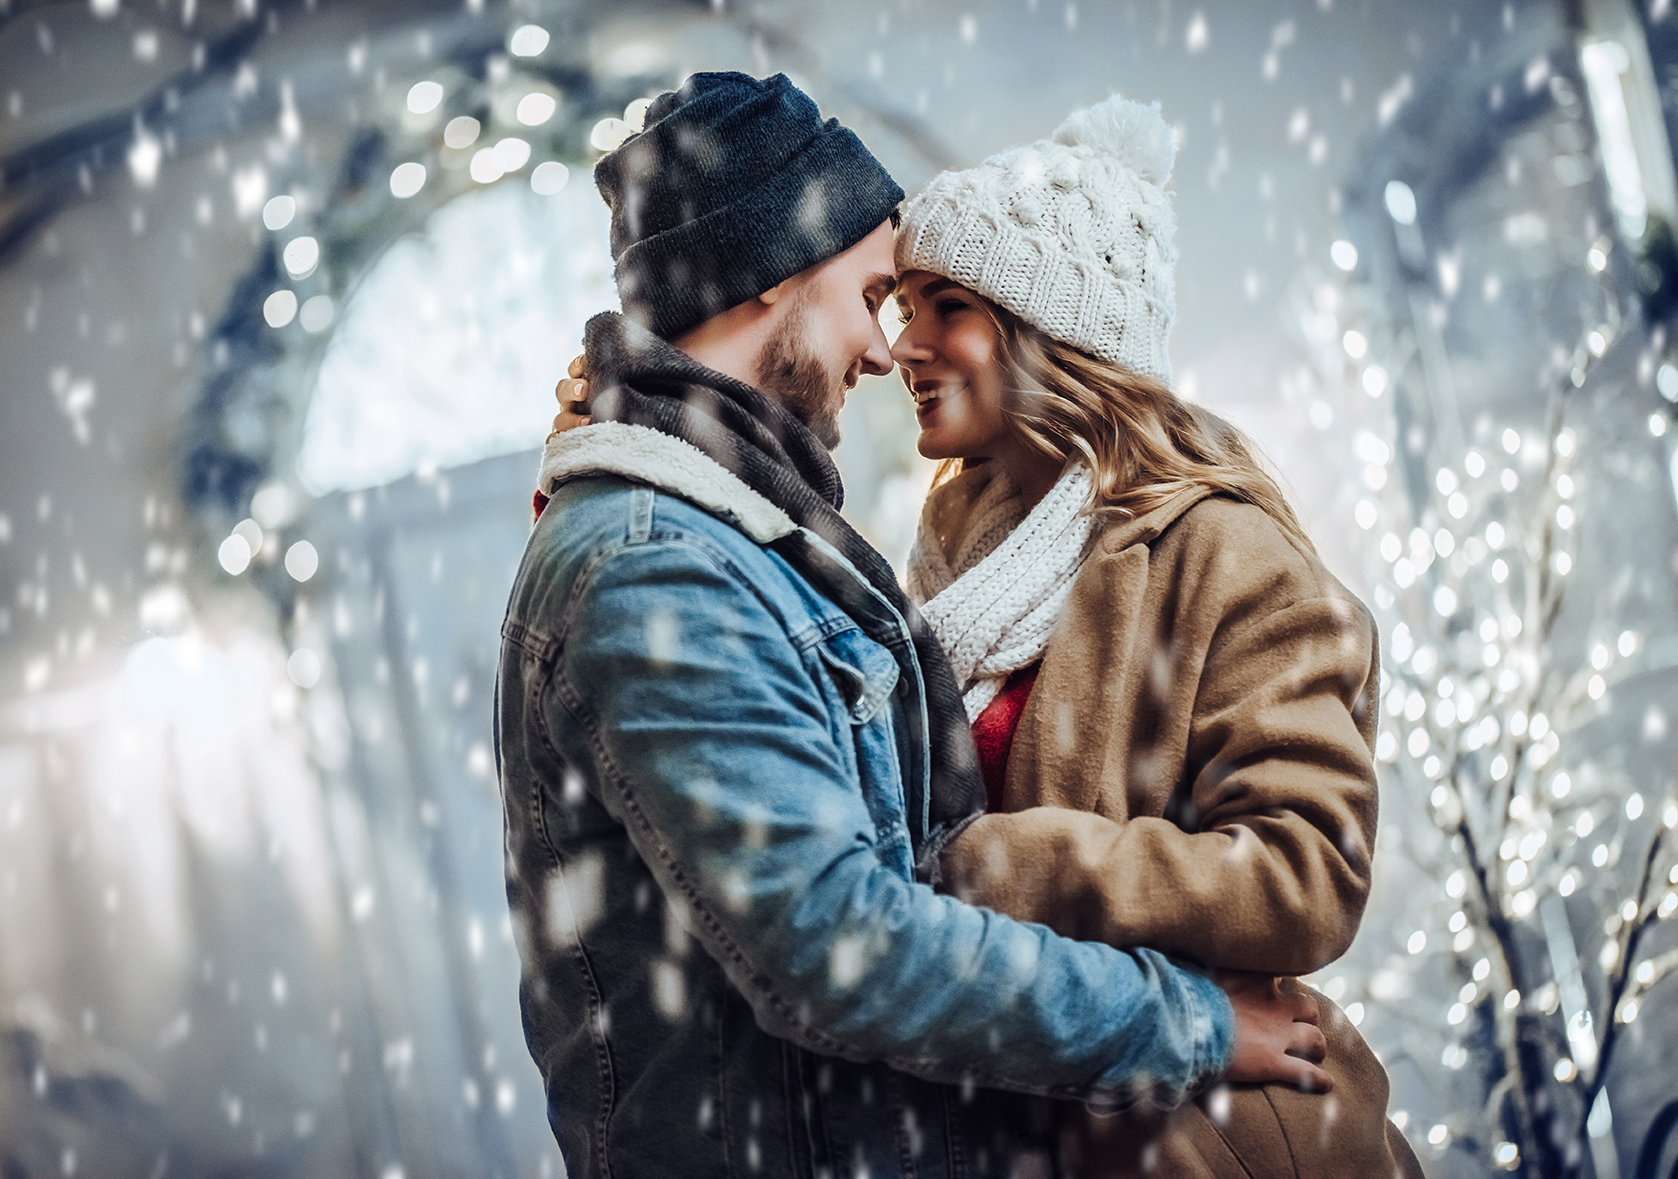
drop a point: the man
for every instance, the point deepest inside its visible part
(726, 741)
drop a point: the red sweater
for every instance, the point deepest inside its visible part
(993, 731)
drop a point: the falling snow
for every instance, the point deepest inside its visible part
(282, 314)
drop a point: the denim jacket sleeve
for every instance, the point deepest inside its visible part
(711, 742)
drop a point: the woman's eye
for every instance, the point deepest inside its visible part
(950, 306)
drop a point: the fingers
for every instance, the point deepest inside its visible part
(571, 389)
(578, 366)
(568, 419)
(1306, 1042)
(1307, 1077)
(1277, 1037)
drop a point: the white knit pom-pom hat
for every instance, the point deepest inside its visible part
(1073, 234)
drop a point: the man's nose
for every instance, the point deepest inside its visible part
(878, 359)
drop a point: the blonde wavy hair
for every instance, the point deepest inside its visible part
(1143, 443)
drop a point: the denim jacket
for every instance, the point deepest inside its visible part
(729, 967)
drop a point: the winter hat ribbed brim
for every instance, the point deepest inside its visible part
(734, 185)
(1074, 234)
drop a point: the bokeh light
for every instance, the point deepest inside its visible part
(301, 256)
(461, 131)
(527, 41)
(511, 154)
(316, 313)
(279, 211)
(301, 561)
(608, 134)
(279, 308)
(234, 554)
(549, 177)
(407, 179)
(536, 108)
(424, 97)
(303, 668)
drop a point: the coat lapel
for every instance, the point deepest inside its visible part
(1073, 735)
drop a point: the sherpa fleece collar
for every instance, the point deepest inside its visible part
(665, 462)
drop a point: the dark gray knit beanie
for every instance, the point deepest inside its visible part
(734, 185)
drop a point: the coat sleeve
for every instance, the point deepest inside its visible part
(714, 746)
(1261, 858)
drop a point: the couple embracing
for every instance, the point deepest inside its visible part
(1009, 875)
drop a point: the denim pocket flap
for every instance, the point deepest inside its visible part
(864, 672)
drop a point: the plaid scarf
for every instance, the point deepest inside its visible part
(637, 378)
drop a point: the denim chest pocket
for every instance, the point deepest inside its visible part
(864, 672)
(864, 676)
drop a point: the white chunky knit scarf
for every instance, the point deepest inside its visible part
(993, 602)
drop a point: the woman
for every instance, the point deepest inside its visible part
(1173, 700)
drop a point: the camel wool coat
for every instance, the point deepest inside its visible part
(1194, 773)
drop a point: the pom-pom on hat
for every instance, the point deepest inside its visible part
(1074, 234)
(734, 185)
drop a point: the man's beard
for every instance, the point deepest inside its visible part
(795, 376)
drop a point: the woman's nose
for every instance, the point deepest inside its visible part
(908, 348)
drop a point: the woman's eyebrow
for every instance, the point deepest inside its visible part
(939, 284)
(929, 290)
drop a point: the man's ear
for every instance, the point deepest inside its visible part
(775, 293)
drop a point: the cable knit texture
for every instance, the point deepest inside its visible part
(994, 600)
(1074, 234)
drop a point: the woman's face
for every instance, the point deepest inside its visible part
(950, 355)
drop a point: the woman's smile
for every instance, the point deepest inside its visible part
(929, 395)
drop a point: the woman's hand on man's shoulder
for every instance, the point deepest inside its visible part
(572, 395)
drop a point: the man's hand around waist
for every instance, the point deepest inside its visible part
(1277, 1039)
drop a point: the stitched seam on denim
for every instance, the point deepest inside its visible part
(602, 1052)
(854, 679)
(900, 1130)
(791, 1086)
(953, 1141)
(640, 514)
(723, 1113)
(1204, 1011)
(524, 638)
(820, 632)
(584, 578)
(899, 639)
(873, 691)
